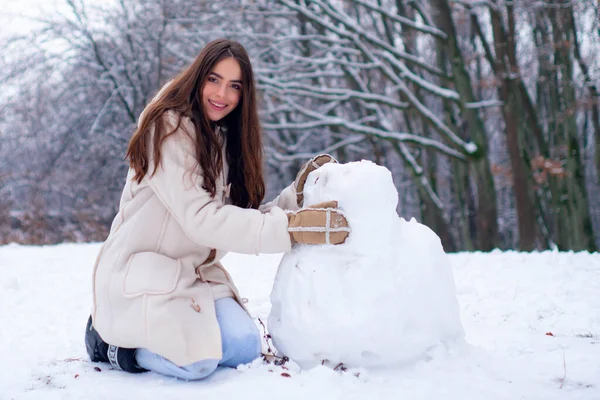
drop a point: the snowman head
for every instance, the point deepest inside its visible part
(364, 191)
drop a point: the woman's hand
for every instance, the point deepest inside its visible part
(306, 169)
(321, 223)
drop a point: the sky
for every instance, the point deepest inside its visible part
(11, 9)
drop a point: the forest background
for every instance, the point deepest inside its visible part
(487, 112)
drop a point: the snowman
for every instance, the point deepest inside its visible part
(384, 298)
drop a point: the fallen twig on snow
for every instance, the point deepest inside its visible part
(271, 356)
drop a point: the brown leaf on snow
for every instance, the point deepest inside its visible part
(286, 375)
(549, 334)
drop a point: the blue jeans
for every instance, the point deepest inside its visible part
(241, 345)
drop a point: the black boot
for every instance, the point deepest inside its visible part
(100, 351)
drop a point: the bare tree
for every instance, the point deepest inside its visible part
(486, 112)
(364, 86)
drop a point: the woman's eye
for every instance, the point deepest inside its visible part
(212, 79)
(236, 86)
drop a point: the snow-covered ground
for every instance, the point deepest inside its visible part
(532, 321)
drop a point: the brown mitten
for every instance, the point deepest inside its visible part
(321, 223)
(306, 169)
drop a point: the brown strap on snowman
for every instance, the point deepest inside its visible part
(306, 169)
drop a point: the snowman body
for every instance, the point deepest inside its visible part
(384, 298)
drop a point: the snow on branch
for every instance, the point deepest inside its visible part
(351, 30)
(299, 76)
(317, 38)
(485, 104)
(352, 140)
(328, 57)
(422, 179)
(468, 148)
(326, 93)
(325, 120)
(430, 87)
(470, 4)
(404, 152)
(403, 20)
(360, 32)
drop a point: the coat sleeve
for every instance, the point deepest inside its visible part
(286, 200)
(205, 219)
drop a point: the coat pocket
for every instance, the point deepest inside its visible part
(150, 273)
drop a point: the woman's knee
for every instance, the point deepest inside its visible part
(240, 335)
(200, 370)
(154, 362)
(241, 349)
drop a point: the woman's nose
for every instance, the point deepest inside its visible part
(222, 91)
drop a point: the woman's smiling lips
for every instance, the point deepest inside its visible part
(217, 106)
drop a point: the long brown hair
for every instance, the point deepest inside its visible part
(241, 127)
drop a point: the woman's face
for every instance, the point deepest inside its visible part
(223, 89)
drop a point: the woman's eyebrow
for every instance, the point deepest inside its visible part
(220, 77)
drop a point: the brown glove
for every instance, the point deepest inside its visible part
(321, 223)
(306, 169)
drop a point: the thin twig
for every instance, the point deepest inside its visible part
(280, 361)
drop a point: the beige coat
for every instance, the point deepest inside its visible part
(154, 282)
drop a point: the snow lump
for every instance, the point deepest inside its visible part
(384, 298)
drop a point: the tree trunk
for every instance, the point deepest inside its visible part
(431, 215)
(507, 72)
(594, 101)
(487, 213)
(582, 235)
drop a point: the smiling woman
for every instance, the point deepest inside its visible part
(222, 89)
(162, 299)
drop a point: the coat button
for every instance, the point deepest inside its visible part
(194, 305)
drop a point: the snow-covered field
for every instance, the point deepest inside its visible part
(532, 321)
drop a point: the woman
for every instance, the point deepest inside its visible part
(162, 299)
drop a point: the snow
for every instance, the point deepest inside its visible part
(485, 103)
(471, 148)
(383, 298)
(508, 302)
